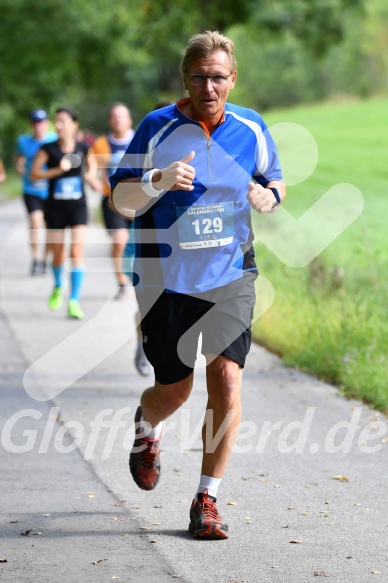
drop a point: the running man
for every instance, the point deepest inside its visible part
(35, 191)
(62, 163)
(197, 168)
(108, 151)
(105, 156)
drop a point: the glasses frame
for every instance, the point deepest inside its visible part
(206, 77)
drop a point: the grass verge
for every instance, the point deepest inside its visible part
(330, 317)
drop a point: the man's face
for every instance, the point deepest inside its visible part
(39, 128)
(208, 100)
(120, 120)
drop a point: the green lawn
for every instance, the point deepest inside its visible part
(330, 317)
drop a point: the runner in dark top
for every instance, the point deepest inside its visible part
(63, 162)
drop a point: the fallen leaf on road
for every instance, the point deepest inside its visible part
(156, 523)
(145, 527)
(154, 541)
(178, 576)
(376, 572)
(290, 508)
(296, 541)
(3, 560)
(13, 521)
(275, 567)
(116, 517)
(232, 503)
(27, 532)
(99, 561)
(340, 478)
(304, 513)
(90, 495)
(285, 526)
(158, 506)
(46, 514)
(37, 533)
(321, 574)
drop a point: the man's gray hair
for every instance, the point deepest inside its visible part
(203, 45)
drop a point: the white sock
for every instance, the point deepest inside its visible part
(154, 433)
(208, 483)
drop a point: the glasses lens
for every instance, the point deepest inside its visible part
(197, 79)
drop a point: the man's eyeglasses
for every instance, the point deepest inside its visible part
(197, 79)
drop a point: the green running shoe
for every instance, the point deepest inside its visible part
(56, 299)
(74, 310)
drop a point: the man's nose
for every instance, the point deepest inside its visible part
(208, 84)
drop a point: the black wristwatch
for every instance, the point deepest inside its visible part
(276, 194)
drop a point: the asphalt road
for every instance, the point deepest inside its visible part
(304, 495)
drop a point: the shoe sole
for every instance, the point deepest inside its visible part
(76, 317)
(212, 531)
(56, 307)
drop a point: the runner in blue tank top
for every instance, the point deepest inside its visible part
(192, 173)
(35, 192)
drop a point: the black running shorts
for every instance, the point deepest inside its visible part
(66, 213)
(34, 203)
(112, 219)
(171, 326)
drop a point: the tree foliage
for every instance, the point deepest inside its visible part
(90, 54)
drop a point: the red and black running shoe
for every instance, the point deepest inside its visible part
(205, 522)
(144, 459)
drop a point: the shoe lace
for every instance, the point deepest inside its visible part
(149, 455)
(208, 505)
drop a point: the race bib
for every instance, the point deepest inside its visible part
(68, 188)
(210, 225)
(39, 184)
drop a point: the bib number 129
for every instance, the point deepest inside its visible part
(208, 226)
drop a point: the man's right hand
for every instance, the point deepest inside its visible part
(20, 165)
(177, 176)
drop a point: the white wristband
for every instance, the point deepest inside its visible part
(146, 184)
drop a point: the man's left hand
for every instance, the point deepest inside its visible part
(261, 199)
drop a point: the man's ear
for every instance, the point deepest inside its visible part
(234, 77)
